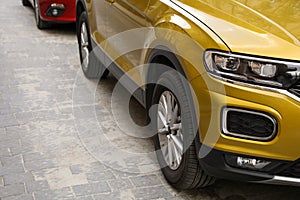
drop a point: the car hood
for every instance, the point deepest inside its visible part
(265, 27)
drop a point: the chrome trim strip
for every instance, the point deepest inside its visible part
(282, 180)
(228, 133)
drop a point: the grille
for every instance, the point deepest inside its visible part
(292, 171)
(248, 124)
(295, 89)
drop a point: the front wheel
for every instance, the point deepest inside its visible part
(176, 131)
(91, 65)
(41, 24)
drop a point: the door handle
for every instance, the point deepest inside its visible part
(111, 1)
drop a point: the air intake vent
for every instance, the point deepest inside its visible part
(248, 124)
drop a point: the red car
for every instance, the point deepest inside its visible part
(52, 11)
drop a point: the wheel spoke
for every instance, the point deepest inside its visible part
(165, 149)
(163, 131)
(84, 44)
(165, 152)
(169, 105)
(177, 155)
(170, 152)
(165, 103)
(177, 142)
(84, 40)
(162, 118)
(175, 127)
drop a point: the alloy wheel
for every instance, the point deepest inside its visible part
(170, 129)
(84, 45)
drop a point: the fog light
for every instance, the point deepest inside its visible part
(54, 12)
(238, 161)
(251, 163)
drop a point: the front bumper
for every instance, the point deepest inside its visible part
(278, 172)
(213, 95)
(65, 14)
(282, 150)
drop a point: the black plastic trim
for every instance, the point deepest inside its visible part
(214, 164)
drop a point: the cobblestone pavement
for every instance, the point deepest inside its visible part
(52, 128)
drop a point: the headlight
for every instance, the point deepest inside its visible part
(253, 70)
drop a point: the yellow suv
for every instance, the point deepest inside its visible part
(220, 80)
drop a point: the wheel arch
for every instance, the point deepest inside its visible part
(169, 59)
(164, 56)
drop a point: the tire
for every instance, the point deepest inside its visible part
(91, 66)
(41, 24)
(26, 3)
(184, 172)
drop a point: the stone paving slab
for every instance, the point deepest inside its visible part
(58, 139)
